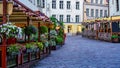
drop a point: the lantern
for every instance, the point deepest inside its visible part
(9, 8)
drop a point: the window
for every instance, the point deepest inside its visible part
(101, 13)
(117, 5)
(54, 15)
(42, 3)
(96, 1)
(101, 1)
(61, 5)
(68, 4)
(38, 3)
(92, 12)
(61, 18)
(30, 1)
(92, 1)
(87, 12)
(54, 4)
(105, 13)
(77, 18)
(77, 5)
(68, 18)
(96, 14)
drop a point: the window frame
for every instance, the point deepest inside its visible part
(68, 4)
(68, 19)
(53, 4)
(77, 5)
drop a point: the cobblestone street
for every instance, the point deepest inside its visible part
(81, 52)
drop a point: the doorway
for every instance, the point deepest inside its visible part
(69, 30)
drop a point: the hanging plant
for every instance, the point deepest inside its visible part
(10, 30)
(43, 29)
(30, 30)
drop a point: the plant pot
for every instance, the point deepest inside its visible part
(115, 40)
(11, 41)
(53, 47)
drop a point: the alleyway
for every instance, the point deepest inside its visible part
(81, 52)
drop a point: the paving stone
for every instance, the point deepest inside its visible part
(81, 52)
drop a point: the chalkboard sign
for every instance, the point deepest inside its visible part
(115, 27)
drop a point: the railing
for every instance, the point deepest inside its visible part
(25, 58)
(0, 58)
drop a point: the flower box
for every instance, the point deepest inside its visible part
(11, 41)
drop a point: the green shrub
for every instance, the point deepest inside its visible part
(40, 45)
(13, 49)
(43, 29)
(29, 46)
(30, 30)
(114, 36)
(59, 39)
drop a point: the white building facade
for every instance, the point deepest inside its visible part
(69, 11)
(95, 9)
(35, 5)
(114, 7)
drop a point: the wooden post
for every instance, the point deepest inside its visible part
(29, 57)
(28, 22)
(49, 39)
(4, 61)
(39, 31)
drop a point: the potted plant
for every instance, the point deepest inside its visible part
(52, 41)
(10, 31)
(43, 29)
(30, 47)
(59, 40)
(115, 38)
(13, 49)
(29, 30)
(40, 45)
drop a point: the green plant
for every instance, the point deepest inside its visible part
(83, 29)
(52, 42)
(10, 30)
(40, 45)
(54, 20)
(114, 36)
(13, 49)
(61, 32)
(43, 29)
(30, 30)
(46, 43)
(59, 39)
(30, 46)
(53, 33)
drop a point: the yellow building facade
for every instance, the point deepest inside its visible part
(72, 28)
(94, 9)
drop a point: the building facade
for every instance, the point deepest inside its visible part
(114, 7)
(32, 4)
(68, 11)
(95, 9)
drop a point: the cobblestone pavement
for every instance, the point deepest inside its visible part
(81, 52)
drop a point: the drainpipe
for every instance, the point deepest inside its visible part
(108, 8)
